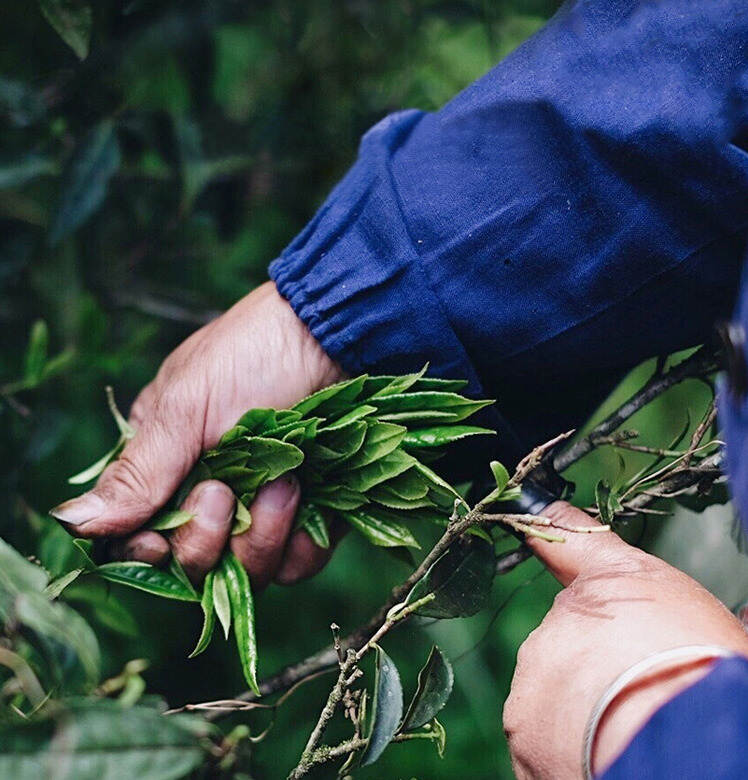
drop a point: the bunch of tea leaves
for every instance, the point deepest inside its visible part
(359, 449)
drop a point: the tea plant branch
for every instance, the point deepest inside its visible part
(349, 672)
(699, 365)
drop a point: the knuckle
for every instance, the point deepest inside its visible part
(126, 480)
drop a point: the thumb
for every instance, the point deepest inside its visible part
(141, 480)
(580, 552)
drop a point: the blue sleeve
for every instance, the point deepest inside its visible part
(581, 207)
(699, 734)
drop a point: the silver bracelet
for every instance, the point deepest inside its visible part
(639, 669)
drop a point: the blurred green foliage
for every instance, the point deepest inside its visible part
(146, 187)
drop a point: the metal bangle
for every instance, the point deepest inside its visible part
(640, 669)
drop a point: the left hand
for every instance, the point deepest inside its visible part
(619, 606)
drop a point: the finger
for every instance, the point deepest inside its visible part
(260, 549)
(303, 558)
(146, 546)
(142, 479)
(580, 551)
(142, 405)
(198, 544)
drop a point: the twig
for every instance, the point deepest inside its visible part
(701, 363)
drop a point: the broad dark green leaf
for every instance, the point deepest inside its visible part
(365, 477)
(441, 435)
(209, 615)
(242, 480)
(386, 708)
(381, 439)
(344, 441)
(143, 576)
(460, 580)
(99, 739)
(243, 613)
(85, 180)
(72, 20)
(435, 682)
(380, 527)
(221, 602)
(219, 459)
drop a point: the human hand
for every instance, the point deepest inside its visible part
(619, 606)
(257, 354)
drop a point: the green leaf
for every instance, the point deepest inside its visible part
(99, 738)
(242, 519)
(17, 172)
(436, 482)
(258, 420)
(337, 497)
(242, 480)
(72, 20)
(425, 405)
(365, 477)
(219, 459)
(56, 587)
(166, 521)
(602, 499)
(440, 435)
(342, 442)
(275, 457)
(313, 522)
(380, 527)
(355, 414)
(384, 495)
(36, 352)
(66, 640)
(409, 485)
(209, 619)
(386, 708)
(500, 475)
(342, 393)
(400, 384)
(17, 575)
(381, 439)
(435, 683)
(440, 737)
(460, 580)
(242, 609)
(95, 469)
(85, 180)
(221, 601)
(176, 569)
(143, 576)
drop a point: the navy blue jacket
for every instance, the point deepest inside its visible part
(581, 207)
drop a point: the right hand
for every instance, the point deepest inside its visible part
(257, 354)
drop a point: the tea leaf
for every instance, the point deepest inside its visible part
(85, 180)
(440, 435)
(242, 519)
(435, 682)
(72, 20)
(143, 576)
(221, 601)
(380, 528)
(313, 522)
(337, 497)
(242, 609)
(460, 580)
(95, 469)
(365, 477)
(342, 392)
(387, 708)
(381, 439)
(206, 602)
(166, 521)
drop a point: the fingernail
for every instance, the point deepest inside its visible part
(214, 504)
(79, 510)
(277, 495)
